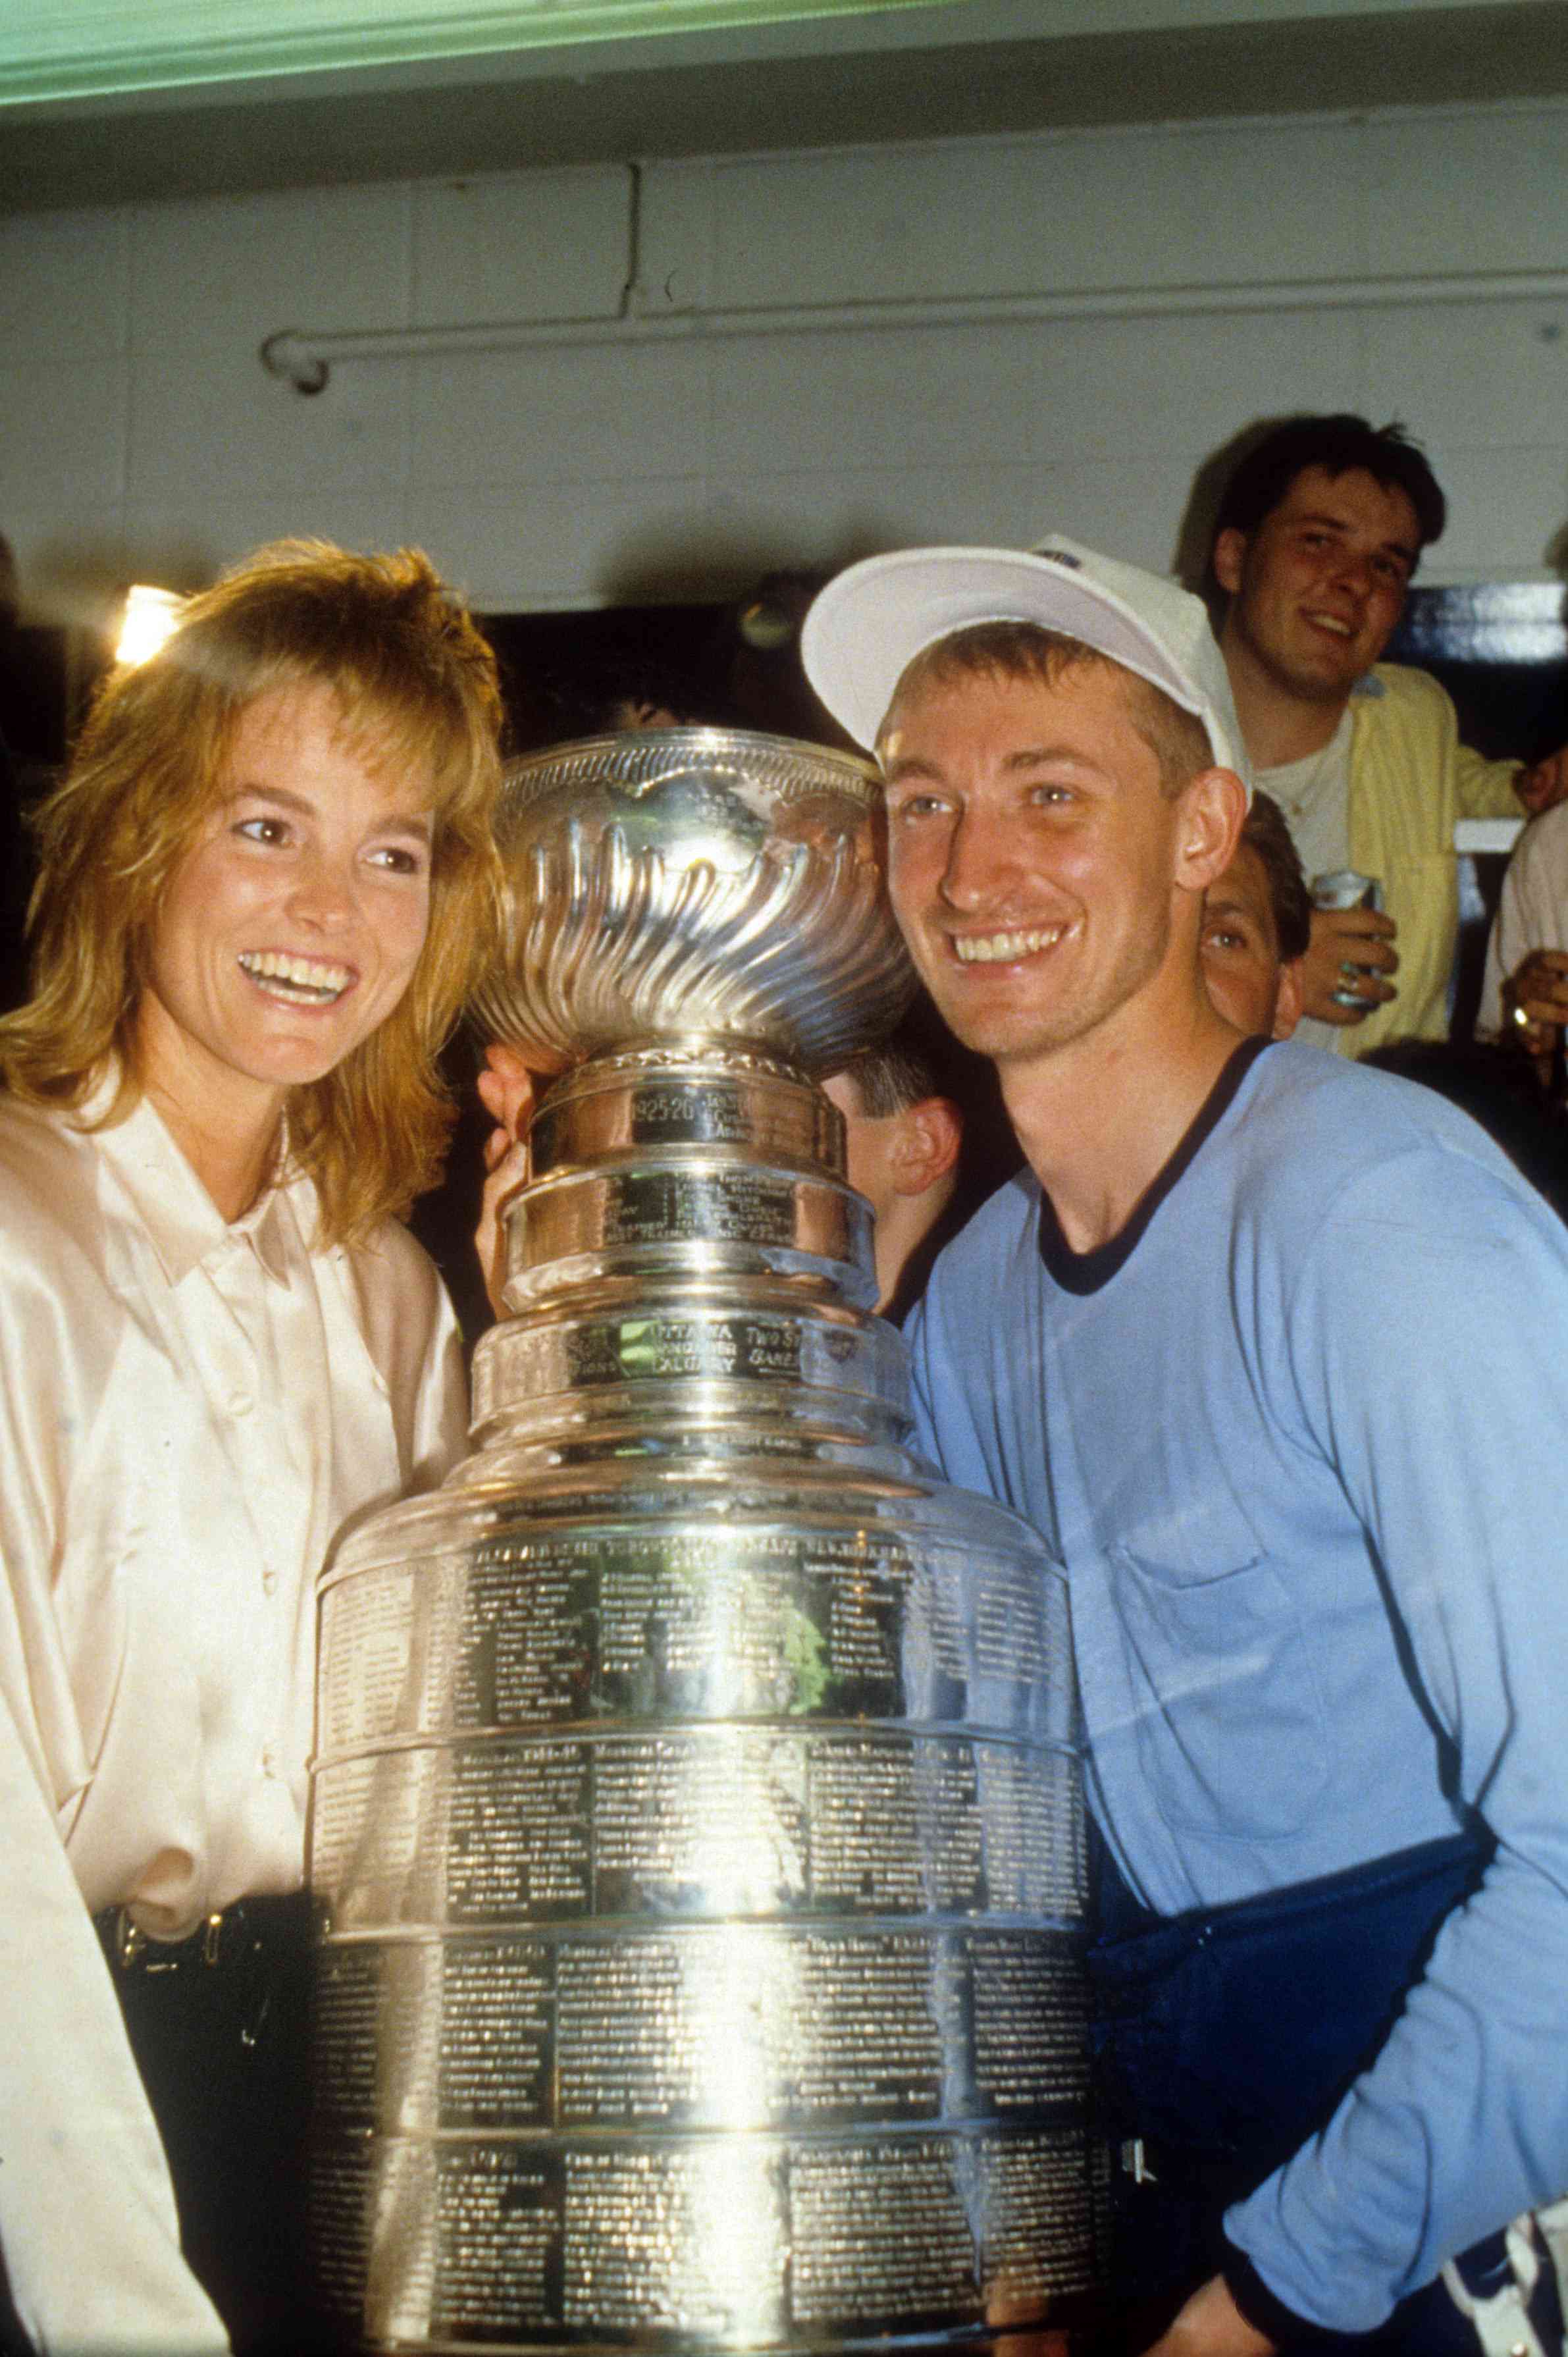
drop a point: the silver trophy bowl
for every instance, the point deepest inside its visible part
(679, 881)
(696, 1818)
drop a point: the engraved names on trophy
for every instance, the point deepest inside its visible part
(534, 2246)
(619, 1619)
(837, 1822)
(618, 1108)
(733, 2024)
(659, 1206)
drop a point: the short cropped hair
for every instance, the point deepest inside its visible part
(1265, 832)
(1177, 739)
(416, 684)
(888, 1079)
(1338, 444)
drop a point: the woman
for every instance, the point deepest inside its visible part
(264, 885)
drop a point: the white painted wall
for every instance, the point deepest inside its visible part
(139, 435)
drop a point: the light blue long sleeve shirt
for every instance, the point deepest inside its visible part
(1300, 1437)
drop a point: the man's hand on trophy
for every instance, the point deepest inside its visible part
(507, 1093)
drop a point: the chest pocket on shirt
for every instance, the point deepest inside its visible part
(1229, 1721)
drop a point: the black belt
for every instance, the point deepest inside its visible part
(253, 1932)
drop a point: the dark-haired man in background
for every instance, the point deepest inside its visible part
(902, 1137)
(1319, 530)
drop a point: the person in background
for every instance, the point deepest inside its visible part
(1318, 532)
(1257, 919)
(1524, 992)
(902, 1143)
(265, 881)
(1235, 1342)
(903, 1139)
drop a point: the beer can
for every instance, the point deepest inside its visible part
(1346, 888)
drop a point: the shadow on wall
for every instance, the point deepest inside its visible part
(1195, 534)
(712, 555)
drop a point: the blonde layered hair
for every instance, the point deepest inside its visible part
(415, 685)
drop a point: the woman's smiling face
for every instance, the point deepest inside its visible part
(293, 928)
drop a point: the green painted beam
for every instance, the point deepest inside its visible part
(54, 49)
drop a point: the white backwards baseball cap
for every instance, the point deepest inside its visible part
(872, 621)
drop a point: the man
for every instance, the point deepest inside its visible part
(1318, 533)
(1239, 1341)
(902, 1139)
(1257, 922)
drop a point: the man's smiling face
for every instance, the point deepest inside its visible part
(1032, 852)
(1316, 589)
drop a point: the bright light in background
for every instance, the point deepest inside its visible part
(150, 615)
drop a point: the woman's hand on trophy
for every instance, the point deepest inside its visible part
(507, 1093)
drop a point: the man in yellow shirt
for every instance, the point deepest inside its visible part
(1319, 530)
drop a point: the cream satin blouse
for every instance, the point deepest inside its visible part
(189, 1411)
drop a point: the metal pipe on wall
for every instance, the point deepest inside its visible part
(304, 357)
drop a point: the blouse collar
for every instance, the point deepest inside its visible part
(183, 1224)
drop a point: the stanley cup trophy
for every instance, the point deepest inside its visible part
(696, 1817)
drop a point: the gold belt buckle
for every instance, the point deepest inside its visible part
(131, 1943)
(129, 1939)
